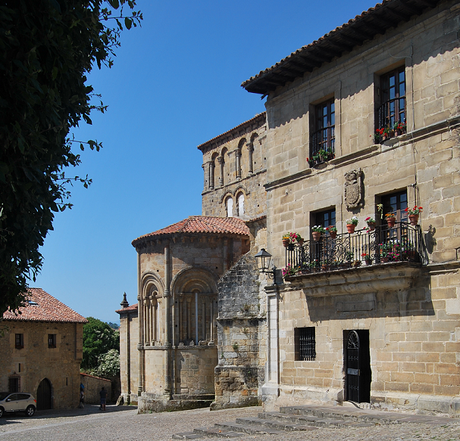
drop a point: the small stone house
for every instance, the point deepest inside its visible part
(42, 347)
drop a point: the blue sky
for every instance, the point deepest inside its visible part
(175, 84)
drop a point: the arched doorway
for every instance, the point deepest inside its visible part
(44, 395)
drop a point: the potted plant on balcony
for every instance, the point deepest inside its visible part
(296, 238)
(314, 265)
(289, 270)
(332, 230)
(391, 219)
(351, 224)
(370, 223)
(316, 232)
(399, 128)
(286, 240)
(367, 258)
(414, 214)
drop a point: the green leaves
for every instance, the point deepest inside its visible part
(46, 53)
(98, 339)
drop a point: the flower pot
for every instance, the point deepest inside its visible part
(368, 262)
(413, 219)
(316, 235)
(397, 132)
(391, 222)
(371, 226)
(384, 259)
(286, 243)
(351, 228)
(300, 242)
(333, 234)
(325, 267)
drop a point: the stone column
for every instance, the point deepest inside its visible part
(168, 324)
(238, 163)
(140, 345)
(250, 146)
(220, 159)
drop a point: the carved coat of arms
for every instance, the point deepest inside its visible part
(354, 189)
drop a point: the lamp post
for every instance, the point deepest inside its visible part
(264, 260)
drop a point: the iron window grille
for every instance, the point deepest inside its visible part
(305, 345)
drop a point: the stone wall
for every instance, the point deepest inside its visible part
(36, 361)
(241, 337)
(93, 386)
(129, 355)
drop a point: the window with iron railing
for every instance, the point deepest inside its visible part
(305, 345)
(322, 141)
(391, 112)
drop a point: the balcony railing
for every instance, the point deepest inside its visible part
(401, 243)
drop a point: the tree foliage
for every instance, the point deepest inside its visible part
(98, 339)
(108, 365)
(47, 47)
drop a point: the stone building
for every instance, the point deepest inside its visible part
(168, 341)
(360, 124)
(375, 107)
(41, 350)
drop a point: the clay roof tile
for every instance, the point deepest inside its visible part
(43, 307)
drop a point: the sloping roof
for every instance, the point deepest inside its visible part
(128, 308)
(43, 307)
(343, 39)
(201, 225)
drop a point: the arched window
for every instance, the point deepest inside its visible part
(229, 206)
(151, 317)
(240, 202)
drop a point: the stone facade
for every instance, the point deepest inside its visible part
(234, 171)
(406, 316)
(129, 357)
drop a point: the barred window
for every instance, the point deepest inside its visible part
(305, 346)
(19, 341)
(51, 340)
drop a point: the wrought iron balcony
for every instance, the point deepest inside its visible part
(401, 243)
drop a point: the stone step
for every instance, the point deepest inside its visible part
(347, 413)
(187, 435)
(251, 428)
(307, 420)
(286, 425)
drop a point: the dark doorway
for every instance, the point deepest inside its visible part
(357, 366)
(44, 400)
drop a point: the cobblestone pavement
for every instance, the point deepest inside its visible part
(123, 423)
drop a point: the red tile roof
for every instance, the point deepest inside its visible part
(128, 308)
(200, 225)
(43, 307)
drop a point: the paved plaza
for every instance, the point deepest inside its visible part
(124, 423)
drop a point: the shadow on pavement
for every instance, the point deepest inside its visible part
(11, 418)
